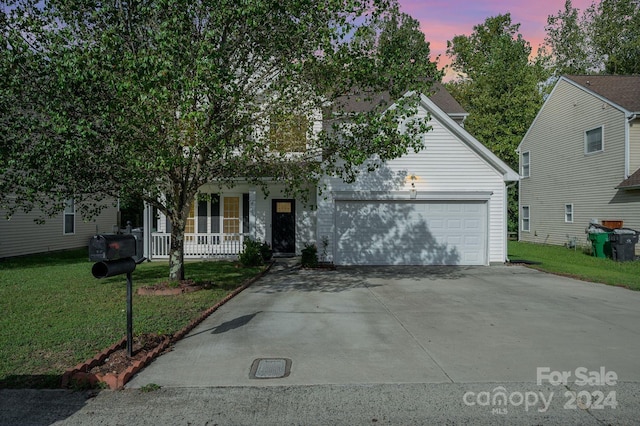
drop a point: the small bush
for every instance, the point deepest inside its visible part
(309, 256)
(266, 252)
(251, 253)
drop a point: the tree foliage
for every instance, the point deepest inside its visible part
(604, 38)
(155, 98)
(499, 86)
(572, 54)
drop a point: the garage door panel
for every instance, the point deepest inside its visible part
(410, 233)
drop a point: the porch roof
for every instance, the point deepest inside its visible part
(632, 182)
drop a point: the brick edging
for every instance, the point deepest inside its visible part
(80, 373)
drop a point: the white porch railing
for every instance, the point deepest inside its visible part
(198, 245)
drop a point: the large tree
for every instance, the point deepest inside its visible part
(604, 38)
(154, 98)
(566, 39)
(498, 85)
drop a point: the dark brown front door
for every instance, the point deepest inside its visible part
(283, 218)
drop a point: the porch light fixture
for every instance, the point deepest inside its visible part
(413, 192)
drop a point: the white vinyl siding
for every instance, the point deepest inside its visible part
(556, 140)
(594, 140)
(445, 165)
(525, 219)
(568, 213)
(21, 235)
(525, 171)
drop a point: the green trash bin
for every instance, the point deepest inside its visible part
(600, 243)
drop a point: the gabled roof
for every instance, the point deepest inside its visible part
(361, 101)
(621, 90)
(442, 107)
(485, 153)
(632, 182)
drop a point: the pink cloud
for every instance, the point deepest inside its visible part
(442, 20)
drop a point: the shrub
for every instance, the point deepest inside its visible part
(309, 256)
(251, 253)
(266, 252)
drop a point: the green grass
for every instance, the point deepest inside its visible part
(578, 264)
(54, 314)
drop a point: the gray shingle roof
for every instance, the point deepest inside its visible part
(623, 90)
(363, 101)
(632, 182)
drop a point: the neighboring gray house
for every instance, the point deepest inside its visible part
(580, 160)
(445, 204)
(21, 235)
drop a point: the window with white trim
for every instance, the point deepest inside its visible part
(526, 159)
(69, 220)
(594, 140)
(568, 213)
(525, 219)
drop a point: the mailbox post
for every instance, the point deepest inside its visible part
(113, 254)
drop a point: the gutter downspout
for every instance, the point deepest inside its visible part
(627, 148)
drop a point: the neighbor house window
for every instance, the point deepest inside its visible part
(593, 140)
(568, 213)
(525, 164)
(525, 218)
(69, 225)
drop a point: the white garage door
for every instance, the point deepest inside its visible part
(411, 232)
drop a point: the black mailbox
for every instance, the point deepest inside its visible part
(111, 247)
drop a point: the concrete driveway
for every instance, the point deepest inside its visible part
(406, 325)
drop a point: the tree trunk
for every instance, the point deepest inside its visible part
(176, 252)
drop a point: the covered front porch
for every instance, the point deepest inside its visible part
(220, 220)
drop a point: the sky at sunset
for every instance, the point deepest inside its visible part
(441, 20)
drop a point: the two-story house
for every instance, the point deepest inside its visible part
(446, 204)
(580, 160)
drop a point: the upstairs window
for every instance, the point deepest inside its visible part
(288, 133)
(69, 224)
(593, 140)
(526, 158)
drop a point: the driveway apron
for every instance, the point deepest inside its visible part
(358, 325)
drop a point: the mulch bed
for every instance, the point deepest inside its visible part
(118, 361)
(171, 289)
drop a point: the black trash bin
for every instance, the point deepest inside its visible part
(623, 244)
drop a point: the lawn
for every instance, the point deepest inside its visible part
(54, 314)
(578, 264)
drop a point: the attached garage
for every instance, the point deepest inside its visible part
(411, 232)
(445, 204)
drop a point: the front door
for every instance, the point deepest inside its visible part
(283, 218)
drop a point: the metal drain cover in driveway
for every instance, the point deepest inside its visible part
(270, 368)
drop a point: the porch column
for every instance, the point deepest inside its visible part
(146, 227)
(252, 214)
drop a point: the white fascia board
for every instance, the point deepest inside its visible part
(405, 195)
